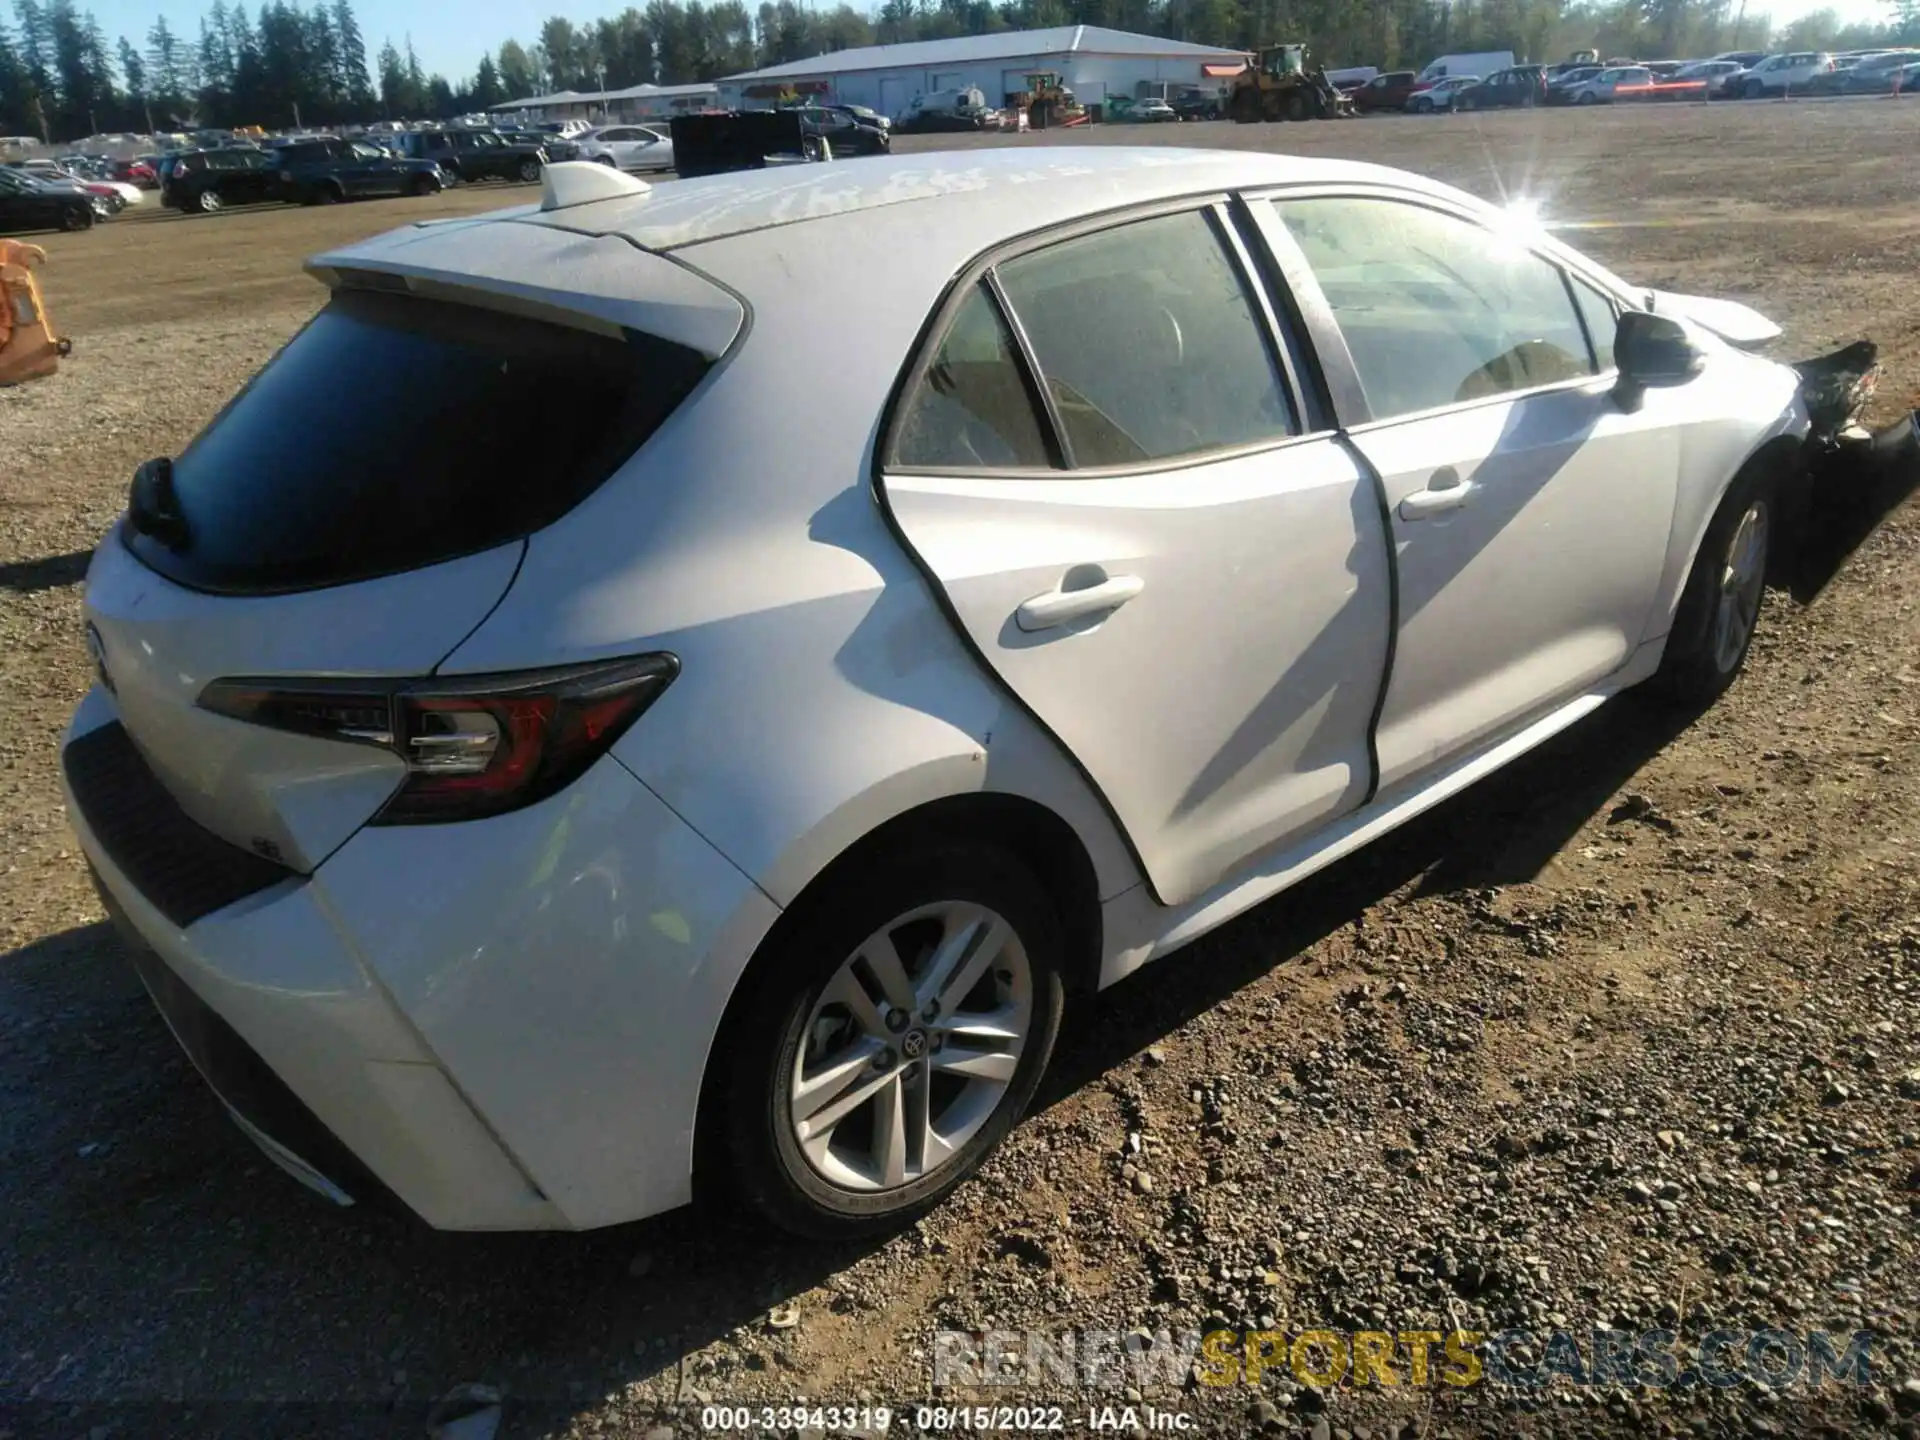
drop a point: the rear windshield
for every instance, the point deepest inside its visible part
(395, 432)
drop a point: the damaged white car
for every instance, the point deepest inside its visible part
(732, 784)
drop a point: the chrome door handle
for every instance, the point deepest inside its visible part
(1445, 491)
(1057, 607)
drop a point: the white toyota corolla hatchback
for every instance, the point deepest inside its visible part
(530, 819)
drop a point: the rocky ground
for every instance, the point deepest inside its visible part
(1626, 1038)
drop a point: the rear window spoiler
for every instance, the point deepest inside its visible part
(599, 283)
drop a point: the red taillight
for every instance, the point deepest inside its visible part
(474, 745)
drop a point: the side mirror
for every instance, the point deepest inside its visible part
(1651, 351)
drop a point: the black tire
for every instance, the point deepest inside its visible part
(606, 160)
(208, 202)
(423, 185)
(1697, 667)
(529, 170)
(1754, 90)
(1246, 108)
(760, 1043)
(76, 217)
(1586, 98)
(1296, 107)
(1422, 106)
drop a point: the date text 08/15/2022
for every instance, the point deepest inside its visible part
(940, 1419)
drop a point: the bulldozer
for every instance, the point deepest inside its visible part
(1279, 85)
(1047, 101)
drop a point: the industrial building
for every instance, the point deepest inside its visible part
(637, 102)
(1095, 63)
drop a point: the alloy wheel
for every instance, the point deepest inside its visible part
(1743, 579)
(911, 1047)
(209, 202)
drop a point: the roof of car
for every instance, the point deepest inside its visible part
(1029, 188)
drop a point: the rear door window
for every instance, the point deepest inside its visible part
(1148, 342)
(395, 432)
(971, 408)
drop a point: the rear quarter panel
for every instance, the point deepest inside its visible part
(822, 691)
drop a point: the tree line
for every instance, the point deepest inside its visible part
(61, 79)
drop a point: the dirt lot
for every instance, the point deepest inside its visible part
(1629, 1036)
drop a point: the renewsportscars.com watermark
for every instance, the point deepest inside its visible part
(1659, 1359)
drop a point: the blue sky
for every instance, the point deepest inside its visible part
(449, 36)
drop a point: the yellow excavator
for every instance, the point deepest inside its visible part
(1279, 85)
(1047, 100)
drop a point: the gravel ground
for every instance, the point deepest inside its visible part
(1625, 1037)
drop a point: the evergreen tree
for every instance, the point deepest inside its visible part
(487, 89)
(167, 64)
(518, 76)
(350, 61)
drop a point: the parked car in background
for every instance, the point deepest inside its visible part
(626, 147)
(1712, 73)
(1876, 74)
(1609, 85)
(866, 115)
(565, 129)
(1559, 86)
(1197, 104)
(492, 846)
(323, 172)
(1902, 81)
(1441, 95)
(845, 133)
(1384, 92)
(471, 155)
(1519, 87)
(206, 181)
(1784, 74)
(1745, 59)
(135, 172)
(29, 203)
(1832, 81)
(1151, 111)
(110, 199)
(558, 150)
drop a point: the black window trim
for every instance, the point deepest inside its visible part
(1351, 408)
(1593, 341)
(982, 272)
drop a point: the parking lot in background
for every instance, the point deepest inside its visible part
(152, 1255)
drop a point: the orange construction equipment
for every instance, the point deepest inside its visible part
(28, 347)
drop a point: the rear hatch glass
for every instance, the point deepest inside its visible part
(395, 432)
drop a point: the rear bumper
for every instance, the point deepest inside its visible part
(501, 1024)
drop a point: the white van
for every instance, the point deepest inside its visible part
(968, 100)
(1478, 64)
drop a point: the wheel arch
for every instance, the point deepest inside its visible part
(1032, 832)
(1781, 450)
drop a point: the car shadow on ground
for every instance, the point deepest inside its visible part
(148, 1235)
(1845, 508)
(49, 572)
